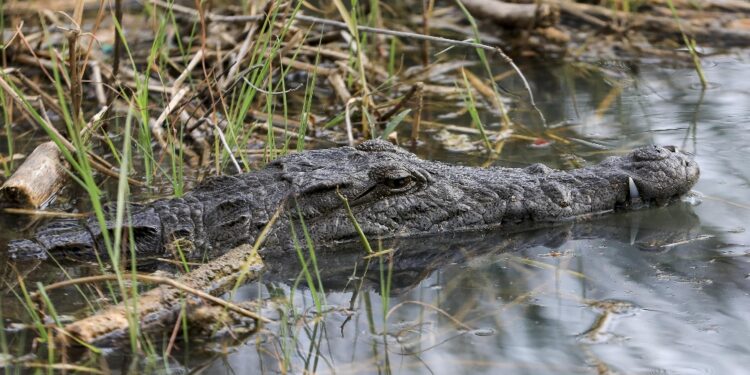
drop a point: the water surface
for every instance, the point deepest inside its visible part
(661, 291)
(658, 291)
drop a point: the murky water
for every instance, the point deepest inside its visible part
(658, 291)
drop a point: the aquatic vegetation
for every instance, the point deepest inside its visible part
(145, 101)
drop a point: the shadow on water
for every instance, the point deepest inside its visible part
(567, 298)
(656, 291)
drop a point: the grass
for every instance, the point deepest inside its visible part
(316, 289)
(488, 70)
(135, 154)
(255, 106)
(471, 106)
(4, 347)
(353, 220)
(130, 143)
(691, 46)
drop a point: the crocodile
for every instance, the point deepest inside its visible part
(375, 190)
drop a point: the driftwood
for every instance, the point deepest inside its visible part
(36, 181)
(514, 15)
(721, 5)
(603, 17)
(159, 308)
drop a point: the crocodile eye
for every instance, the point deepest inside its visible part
(394, 179)
(399, 183)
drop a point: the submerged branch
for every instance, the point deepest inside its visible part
(158, 307)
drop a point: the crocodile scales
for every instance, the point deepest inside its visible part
(391, 193)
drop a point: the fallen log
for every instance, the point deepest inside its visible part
(511, 15)
(158, 309)
(603, 17)
(37, 180)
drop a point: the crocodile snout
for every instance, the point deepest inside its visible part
(660, 173)
(687, 161)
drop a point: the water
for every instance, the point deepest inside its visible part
(663, 291)
(658, 291)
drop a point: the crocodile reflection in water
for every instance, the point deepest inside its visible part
(415, 258)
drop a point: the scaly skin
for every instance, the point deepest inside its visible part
(391, 193)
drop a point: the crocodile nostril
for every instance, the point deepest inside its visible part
(671, 148)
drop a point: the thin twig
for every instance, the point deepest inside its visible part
(98, 81)
(76, 88)
(347, 111)
(417, 116)
(404, 99)
(156, 127)
(223, 141)
(439, 310)
(25, 211)
(188, 70)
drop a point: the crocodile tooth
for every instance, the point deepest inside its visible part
(635, 196)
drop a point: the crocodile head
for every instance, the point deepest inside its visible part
(391, 192)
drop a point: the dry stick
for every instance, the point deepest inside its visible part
(455, 321)
(173, 336)
(405, 99)
(347, 111)
(12, 158)
(426, 13)
(188, 70)
(36, 60)
(36, 181)
(76, 89)
(338, 55)
(43, 213)
(61, 367)
(310, 68)
(177, 95)
(401, 34)
(417, 115)
(573, 11)
(276, 119)
(156, 280)
(96, 75)
(244, 48)
(156, 127)
(514, 15)
(118, 42)
(48, 99)
(155, 307)
(659, 24)
(91, 34)
(339, 86)
(223, 142)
